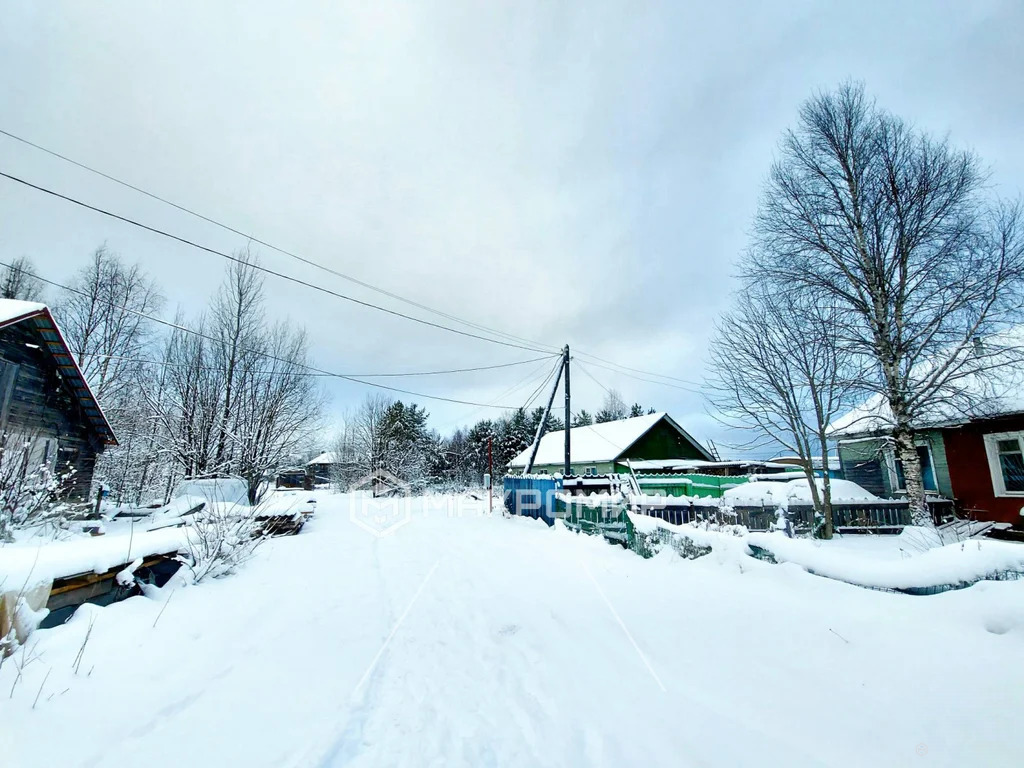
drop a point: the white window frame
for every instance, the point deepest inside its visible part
(890, 464)
(994, 467)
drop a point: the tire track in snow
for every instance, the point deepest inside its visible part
(343, 749)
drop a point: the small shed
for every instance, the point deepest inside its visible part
(46, 406)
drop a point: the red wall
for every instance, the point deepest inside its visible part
(969, 472)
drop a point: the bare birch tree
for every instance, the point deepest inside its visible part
(779, 371)
(18, 281)
(894, 227)
(189, 414)
(278, 406)
(237, 319)
(613, 408)
(239, 396)
(102, 318)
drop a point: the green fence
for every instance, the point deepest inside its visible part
(608, 520)
(689, 484)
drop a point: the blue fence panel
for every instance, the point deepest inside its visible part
(532, 496)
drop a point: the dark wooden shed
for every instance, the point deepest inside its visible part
(44, 398)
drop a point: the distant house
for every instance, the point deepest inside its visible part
(608, 447)
(328, 466)
(46, 406)
(835, 471)
(322, 467)
(975, 459)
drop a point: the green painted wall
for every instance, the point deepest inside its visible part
(698, 485)
(600, 468)
(858, 459)
(662, 442)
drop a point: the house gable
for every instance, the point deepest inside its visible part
(665, 440)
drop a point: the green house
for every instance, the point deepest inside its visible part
(602, 448)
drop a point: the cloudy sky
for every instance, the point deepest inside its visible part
(569, 173)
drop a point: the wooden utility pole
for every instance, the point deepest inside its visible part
(490, 476)
(568, 412)
(542, 427)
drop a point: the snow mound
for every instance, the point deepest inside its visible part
(224, 490)
(22, 564)
(950, 565)
(781, 494)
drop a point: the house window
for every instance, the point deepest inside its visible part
(927, 470)
(1006, 462)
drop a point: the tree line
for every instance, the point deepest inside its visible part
(388, 435)
(225, 392)
(228, 392)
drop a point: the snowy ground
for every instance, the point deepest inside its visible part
(483, 641)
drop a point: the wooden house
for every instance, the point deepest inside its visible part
(46, 406)
(609, 447)
(976, 459)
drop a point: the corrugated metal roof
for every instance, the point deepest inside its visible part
(13, 312)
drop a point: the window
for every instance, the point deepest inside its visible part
(927, 470)
(1006, 462)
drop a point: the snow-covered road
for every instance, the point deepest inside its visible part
(483, 641)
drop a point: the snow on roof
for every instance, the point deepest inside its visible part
(12, 310)
(794, 460)
(597, 442)
(795, 491)
(998, 391)
(643, 465)
(327, 457)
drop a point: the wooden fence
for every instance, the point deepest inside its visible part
(877, 516)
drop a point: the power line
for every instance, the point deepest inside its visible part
(592, 378)
(310, 262)
(635, 370)
(346, 377)
(531, 376)
(362, 375)
(266, 244)
(649, 381)
(540, 387)
(260, 267)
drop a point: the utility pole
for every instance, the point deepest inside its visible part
(568, 411)
(490, 476)
(542, 427)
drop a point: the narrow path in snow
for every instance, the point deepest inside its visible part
(481, 641)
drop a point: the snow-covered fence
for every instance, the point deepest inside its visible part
(680, 510)
(604, 515)
(876, 516)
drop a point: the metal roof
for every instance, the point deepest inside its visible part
(39, 318)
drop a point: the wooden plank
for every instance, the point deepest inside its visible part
(79, 580)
